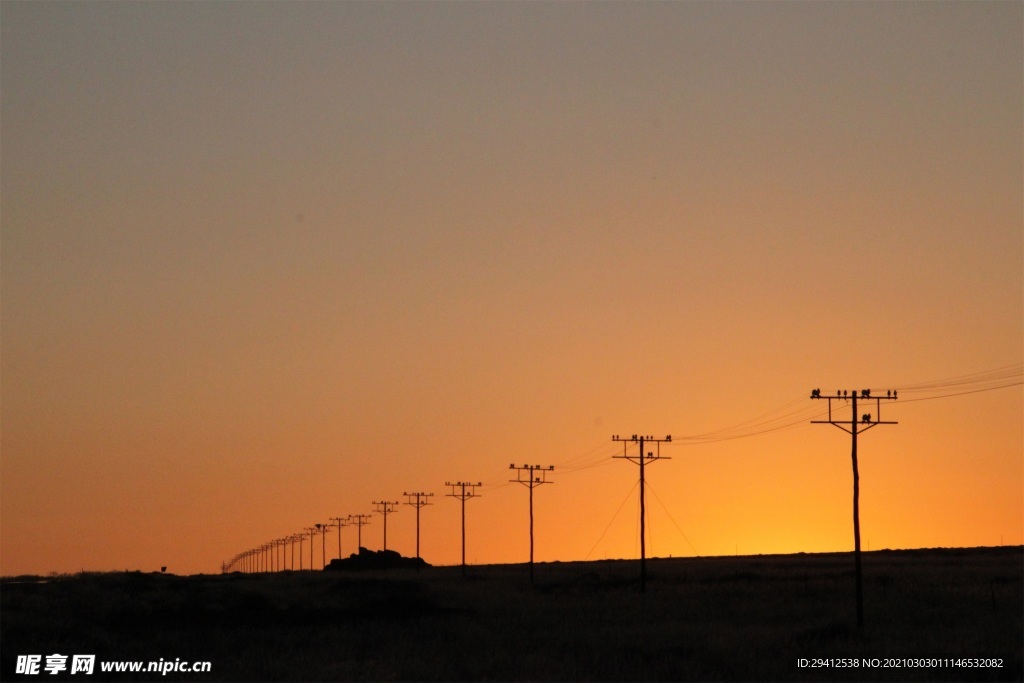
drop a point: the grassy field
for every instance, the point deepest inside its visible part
(742, 618)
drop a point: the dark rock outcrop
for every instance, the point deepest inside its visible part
(376, 559)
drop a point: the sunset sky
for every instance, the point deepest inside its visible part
(264, 263)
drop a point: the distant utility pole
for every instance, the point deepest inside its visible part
(640, 459)
(526, 475)
(854, 426)
(360, 521)
(339, 522)
(463, 495)
(385, 507)
(322, 528)
(312, 530)
(417, 500)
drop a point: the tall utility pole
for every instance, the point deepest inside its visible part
(640, 459)
(417, 500)
(339, 522)
(360, 521)
(526, 475)
(385, 507)
(463, 495)
(854, 426)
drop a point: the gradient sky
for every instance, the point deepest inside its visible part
(265, 263)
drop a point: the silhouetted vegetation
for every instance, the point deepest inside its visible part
(742, 618)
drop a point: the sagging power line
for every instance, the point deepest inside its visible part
(274, 555)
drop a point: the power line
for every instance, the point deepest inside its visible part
(995, 378)
(612, 521)
(673, 519)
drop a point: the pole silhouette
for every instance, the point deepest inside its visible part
(463, 495)
(322, 528)
(312, 530)
(640, 459)
(385, 507)
(339, 522)
(854, 426)
(360, 521)
(531, 481)
(417, 500)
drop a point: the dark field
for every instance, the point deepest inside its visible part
(744, 618)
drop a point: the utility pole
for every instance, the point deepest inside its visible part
(640, 459)
(463, 495)
(420, 501)
(854, 426)
(385, 507)
(360, 521)
(531, 481)
(339, 522)
(322, 528)
(312, 530)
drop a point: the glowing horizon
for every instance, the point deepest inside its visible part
(264, 264)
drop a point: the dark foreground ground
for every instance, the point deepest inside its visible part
(744, 618)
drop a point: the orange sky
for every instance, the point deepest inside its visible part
(265, 263)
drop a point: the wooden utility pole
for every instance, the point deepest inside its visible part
(531, 480)
(385, 507)
(324, 528)
(339, 522)
(312, 530)
(640, 459)
(417, 500)
(463, 495)
(360, 521)
(854, 426)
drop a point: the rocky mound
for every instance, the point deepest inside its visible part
(376, 559)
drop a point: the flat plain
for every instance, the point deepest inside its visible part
(747, 618)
